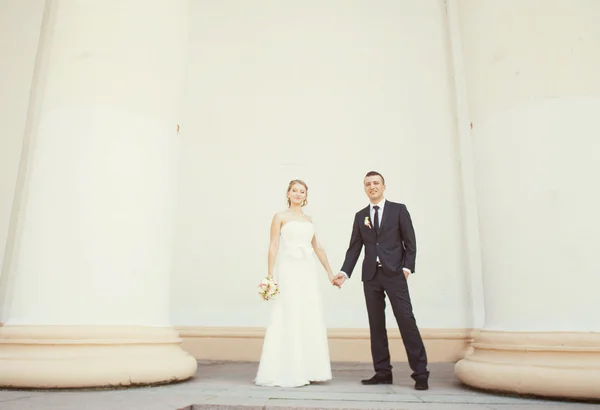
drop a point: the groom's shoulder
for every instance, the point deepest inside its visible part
(395, 205)
(365, 209)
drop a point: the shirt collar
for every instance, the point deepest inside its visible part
(380, 204)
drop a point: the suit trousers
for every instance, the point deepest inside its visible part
(396, 288)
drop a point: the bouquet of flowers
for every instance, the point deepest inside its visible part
(268, 288)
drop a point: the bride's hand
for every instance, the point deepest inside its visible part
(331, 279)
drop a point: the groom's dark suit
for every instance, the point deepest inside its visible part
(388, 250)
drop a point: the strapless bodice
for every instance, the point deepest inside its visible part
(296, 238)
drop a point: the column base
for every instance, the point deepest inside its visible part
(47, 357)
(546, 364)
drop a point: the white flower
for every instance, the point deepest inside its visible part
(367, 222)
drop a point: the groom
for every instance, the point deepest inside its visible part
(386, 231)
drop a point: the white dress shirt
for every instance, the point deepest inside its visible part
(372, 214)
(381, 205)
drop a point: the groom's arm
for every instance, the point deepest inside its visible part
(354, 249)
(408, 238)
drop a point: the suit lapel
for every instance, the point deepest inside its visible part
(384, 217)
(367, 213)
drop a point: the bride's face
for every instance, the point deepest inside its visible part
(297, 194)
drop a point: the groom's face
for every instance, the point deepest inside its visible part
(374, 188)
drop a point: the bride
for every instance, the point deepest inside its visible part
(295, 349)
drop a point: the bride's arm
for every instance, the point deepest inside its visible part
(274, 243)
(320, 252)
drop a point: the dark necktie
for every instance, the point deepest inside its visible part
(376, 219)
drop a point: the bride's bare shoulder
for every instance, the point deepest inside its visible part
(282, 216)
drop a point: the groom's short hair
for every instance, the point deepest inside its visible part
(373, 173)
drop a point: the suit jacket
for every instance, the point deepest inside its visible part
(396, 244)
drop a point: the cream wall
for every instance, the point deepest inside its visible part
(534, 97)
(268, 100)
(92, 253)
(322, 91)
(96, 229)
(20, 22)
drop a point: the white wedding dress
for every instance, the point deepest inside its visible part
(295, 349)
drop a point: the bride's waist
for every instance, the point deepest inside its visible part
(297, 250)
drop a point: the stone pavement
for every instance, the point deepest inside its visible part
(228, 385)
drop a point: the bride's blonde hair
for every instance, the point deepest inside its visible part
(294, 182)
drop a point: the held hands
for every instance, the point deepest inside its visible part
(334, 280)
(339, 280)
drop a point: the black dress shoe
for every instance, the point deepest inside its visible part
(421, 385)
(379, 378)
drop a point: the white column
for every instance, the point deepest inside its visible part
(90, 300)
(534, 101)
